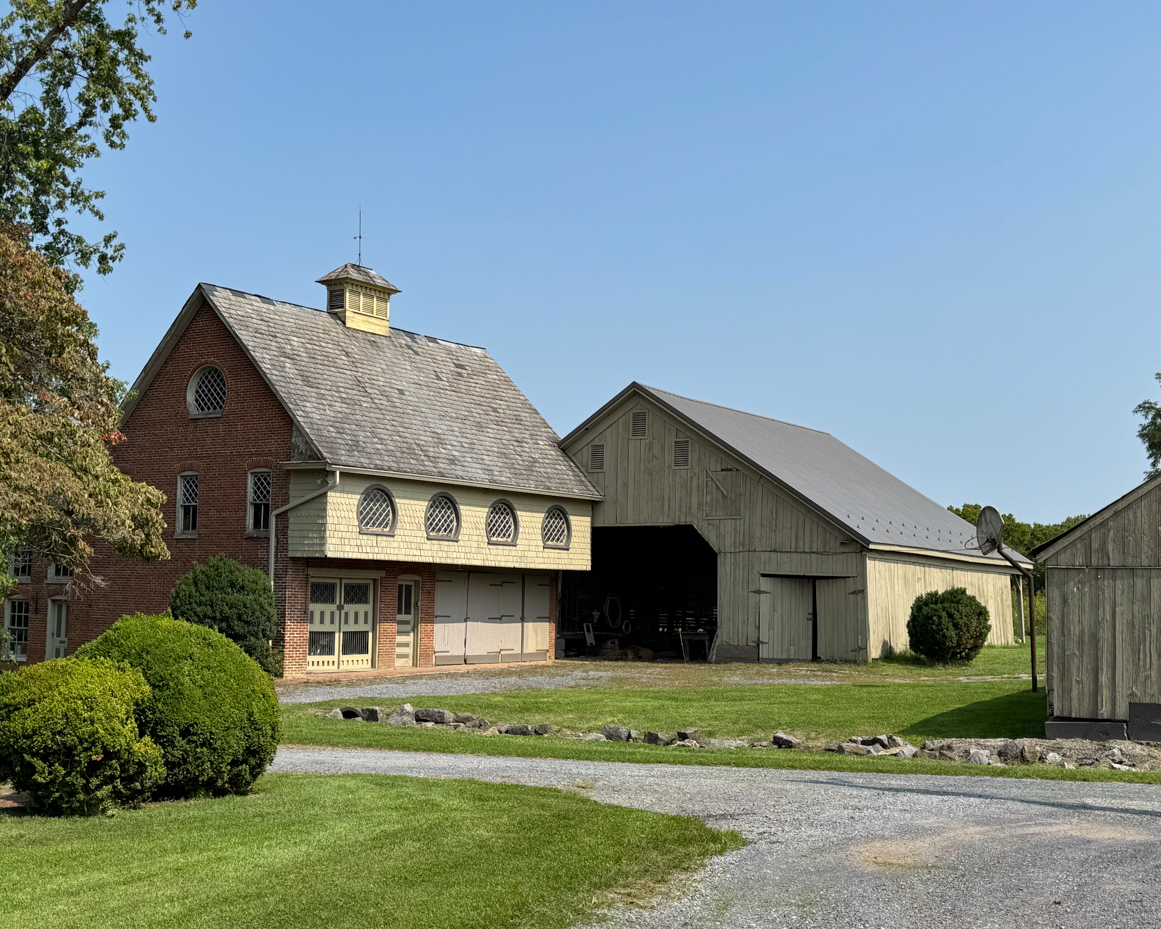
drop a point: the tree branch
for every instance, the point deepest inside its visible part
(10, 81)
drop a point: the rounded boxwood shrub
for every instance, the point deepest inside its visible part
(948, 626)
(232, 598)
(69, 738)
(211, 709)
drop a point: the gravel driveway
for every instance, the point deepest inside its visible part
(845, 851)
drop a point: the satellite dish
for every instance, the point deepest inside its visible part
(989, 530)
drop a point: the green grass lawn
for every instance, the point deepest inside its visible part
(344, 851)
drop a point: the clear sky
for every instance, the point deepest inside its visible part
(932, 230)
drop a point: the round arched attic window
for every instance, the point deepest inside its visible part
(206, 394)
(500, 523)
(556, 531)
(442, 519)
(376, 511)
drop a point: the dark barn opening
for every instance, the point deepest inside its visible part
(650, 587)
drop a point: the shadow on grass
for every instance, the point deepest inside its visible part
(1017, 715)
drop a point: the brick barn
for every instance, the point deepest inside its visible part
(410, 505)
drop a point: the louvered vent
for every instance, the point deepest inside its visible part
(335, 298)
(596, 457)
(639, 428)
(681, 453)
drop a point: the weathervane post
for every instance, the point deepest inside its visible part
(359, 237)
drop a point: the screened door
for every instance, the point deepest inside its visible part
(451, 611)
(786, 619)
(357, 640)
(322, 647)
(341, 620)
(58, 629)
(406, 621)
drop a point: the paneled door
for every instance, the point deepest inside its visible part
(356, 645)
(786, 619)
(406, 622)
(58, 629)
(484, 617)
(536, 605)
(322, 652)
(451, 611)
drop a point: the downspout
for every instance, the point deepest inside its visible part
(290, 506)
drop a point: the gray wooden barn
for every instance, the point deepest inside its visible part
(1103, 585)
(754, 539)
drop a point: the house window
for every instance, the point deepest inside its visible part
(376, 511)
(187, 505)
(59, 574)
(258, 497)
(639, 425)
(22, 564)
(206, 394)
(16, 612)
(500, 524)
(556, 532)
(681, 453)
(442, 519)
(597, 457)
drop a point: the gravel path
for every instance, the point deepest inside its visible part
(847, 851)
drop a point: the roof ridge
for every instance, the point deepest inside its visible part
(315, 309)
(732, 409)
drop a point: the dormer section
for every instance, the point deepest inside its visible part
(360, 298)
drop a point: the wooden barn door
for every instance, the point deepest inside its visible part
(786, 619)
(451, 612)
(536, 606)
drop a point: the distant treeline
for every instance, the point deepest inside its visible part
(1023, 537)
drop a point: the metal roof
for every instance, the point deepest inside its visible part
(852, 490)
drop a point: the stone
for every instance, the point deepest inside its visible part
(978, 756)
(686, 743)
(1053, 758)
(1030, 754)
(401, 716)
(934, 745)
(907, 751)
(635, 736)
(852, 748)
(490, 731)
(1068, 766)
(723, 743)
(428, 725)
(615, 733)
(351, 712)
(782, 740)
(657, 738)
(1119, 767)
(430, 715)
(518, 730)
(593, 737)
(895, 741)
(465, 718)
(335, 714)
(1009, 751)
(456, 726)
(541, 729)
(688, 735)
(875, 749)
(478, 723)
(1116, 756)
(373, 714)
(833, 747)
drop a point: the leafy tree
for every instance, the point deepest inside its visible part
(1023, 537)
(69, 80)
(1149, 433)
(59, 417)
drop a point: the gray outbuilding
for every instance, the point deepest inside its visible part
(756, 539)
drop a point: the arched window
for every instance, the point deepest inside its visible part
(443, 518)
(500, 524)
(556, 531)
(206, 394)
(376, 511)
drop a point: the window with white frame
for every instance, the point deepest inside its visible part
(187, 505)
(376, 511)
(500, 524)
(206, 394)
(556, 531)
(59, 574)
(22, 564)
(16, 613)
(442, 519)
(258, 498)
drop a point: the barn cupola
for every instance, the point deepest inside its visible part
(360, 298)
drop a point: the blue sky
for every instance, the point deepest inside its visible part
(932, 230)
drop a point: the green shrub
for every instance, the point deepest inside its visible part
(212, 710)
(237, 601)
(948, 626)
(69, 738)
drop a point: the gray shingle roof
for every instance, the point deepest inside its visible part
(403, 402)
(354, 272)
(851, 489)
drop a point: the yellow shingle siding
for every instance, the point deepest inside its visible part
(328, 526)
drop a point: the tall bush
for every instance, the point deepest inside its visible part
(232, 598)
(69, 738)
(211, 710)
(948, 626)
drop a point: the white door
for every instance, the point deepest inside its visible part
(58, 629)
(536, 600)
(451, 610)
(484, 616)
(356, 646)
(406, 621)
(786, 619)
(322, 653)
(507, 621)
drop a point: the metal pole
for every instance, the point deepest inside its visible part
(1020, 608)
(1031, 610)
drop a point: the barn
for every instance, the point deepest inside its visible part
(733, 537)
(1103, 586)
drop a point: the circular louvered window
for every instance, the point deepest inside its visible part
(207, 392)
(376, 512)
(501, 523)
(443, 519)
(556, 531)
